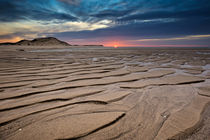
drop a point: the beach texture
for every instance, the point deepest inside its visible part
(104, 93)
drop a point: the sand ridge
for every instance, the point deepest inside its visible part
(103, 93)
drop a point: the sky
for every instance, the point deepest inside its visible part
(146, 23)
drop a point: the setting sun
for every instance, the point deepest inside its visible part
(115, 46)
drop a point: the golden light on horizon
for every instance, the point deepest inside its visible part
(13, 40)
(113, 44)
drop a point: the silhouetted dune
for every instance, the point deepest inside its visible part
(40, 42)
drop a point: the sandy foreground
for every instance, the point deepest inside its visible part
(104, 93)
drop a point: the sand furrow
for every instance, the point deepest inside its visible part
(123, 93)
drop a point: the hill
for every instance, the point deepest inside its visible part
(48, 41)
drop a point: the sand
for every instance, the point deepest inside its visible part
(55, 92)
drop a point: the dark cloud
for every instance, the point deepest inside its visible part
(72, 10)
(9, 12)
(49, 15)
(195, 13)
(72, 2)
(15, 11)
(112, 13)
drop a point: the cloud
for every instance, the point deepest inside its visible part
(94, 10)
(191, 37)
(111, 13)
(72, 2)
(14, 39)
(31, 29)
(22, 10)
(145, 30)
(195, 13)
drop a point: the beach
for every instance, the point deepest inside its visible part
(91, 93)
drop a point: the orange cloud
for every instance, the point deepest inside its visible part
(15, 39)
(191, 37)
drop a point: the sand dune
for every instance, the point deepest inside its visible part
(50, 41)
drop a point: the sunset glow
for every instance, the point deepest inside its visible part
(15, 39)
(117, 23)
(115, 46)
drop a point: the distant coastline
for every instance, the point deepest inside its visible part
(47, 41)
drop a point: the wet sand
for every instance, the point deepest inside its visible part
(104, 93)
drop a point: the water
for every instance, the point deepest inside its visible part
(207, 67)
(203, 52)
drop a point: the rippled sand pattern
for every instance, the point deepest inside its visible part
(100, 94)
